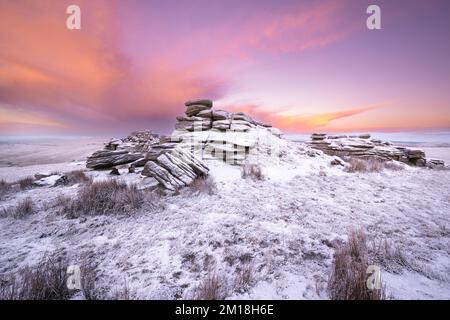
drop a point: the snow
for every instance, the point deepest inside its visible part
(282, 226)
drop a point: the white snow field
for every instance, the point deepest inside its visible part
(281, 229)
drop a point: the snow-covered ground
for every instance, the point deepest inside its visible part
(23, 158)
(282, 229)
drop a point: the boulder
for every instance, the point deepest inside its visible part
(152, 169)
(363, 147)
(105, 159)
(202, 102)
(175, 169)
(220, 115)
(208, 114)
(194, 109)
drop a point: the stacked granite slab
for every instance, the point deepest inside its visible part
(199, 116)
(221, 134)
(362, 146)
(122, 151)
(201, 133)
(175, 169)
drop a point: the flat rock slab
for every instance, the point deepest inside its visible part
(203, 102)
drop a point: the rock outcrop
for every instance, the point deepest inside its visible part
(219, 134)
(175, 169)
(362, 146)
(202, 133)
(105, 159)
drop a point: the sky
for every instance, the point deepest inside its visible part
(304, 66)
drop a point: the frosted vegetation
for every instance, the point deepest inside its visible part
(277, 227)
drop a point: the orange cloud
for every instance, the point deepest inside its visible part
(84, 79)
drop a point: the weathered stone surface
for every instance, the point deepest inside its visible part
(194, 109)
(105, 159)
(241, 125)
(435, 164)
(221, 124)
(241, 116)
(163, 176)
(175, 169)
(220, 115)
(203, 102)
(208, 114)
(363, 147)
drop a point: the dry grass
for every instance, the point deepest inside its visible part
(211, 288)
(104, 197)
(391, 165)
(45, 281)
(244, 277)
(252, 171)
(203, 185)
(388, 256)
(23, 209)
(360, 165)
(26, 183)
(371, 165)
(349, 274)
(75, 177)
(88, 282)
(4, 188)
(122, 293)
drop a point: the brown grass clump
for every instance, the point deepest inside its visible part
(105, 197)
(348, 279)
(77, 176)
(361, 165)
(245, 276)
(23, 209)
(4, 188)
(45, 281)
(26, 183)
(211, 288)
(391, 165)
(252, 171)
(387, 255)
(203, 185)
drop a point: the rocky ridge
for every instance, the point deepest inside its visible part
(175, 161)
(363, 146)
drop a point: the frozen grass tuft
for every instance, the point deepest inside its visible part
(244, 277)
(388, 256)
(371, 165)
(4, 188)
(23, 209)
(26, 183)
(203, 185)
(252, 171)
(77, 176)
(104, 197)
(45, 281)
(391, 165)
(213, 287)
(88, 282)
(349, 274)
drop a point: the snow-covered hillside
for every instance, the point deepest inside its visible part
(281, 230)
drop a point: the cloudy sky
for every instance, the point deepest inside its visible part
(302, 65)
